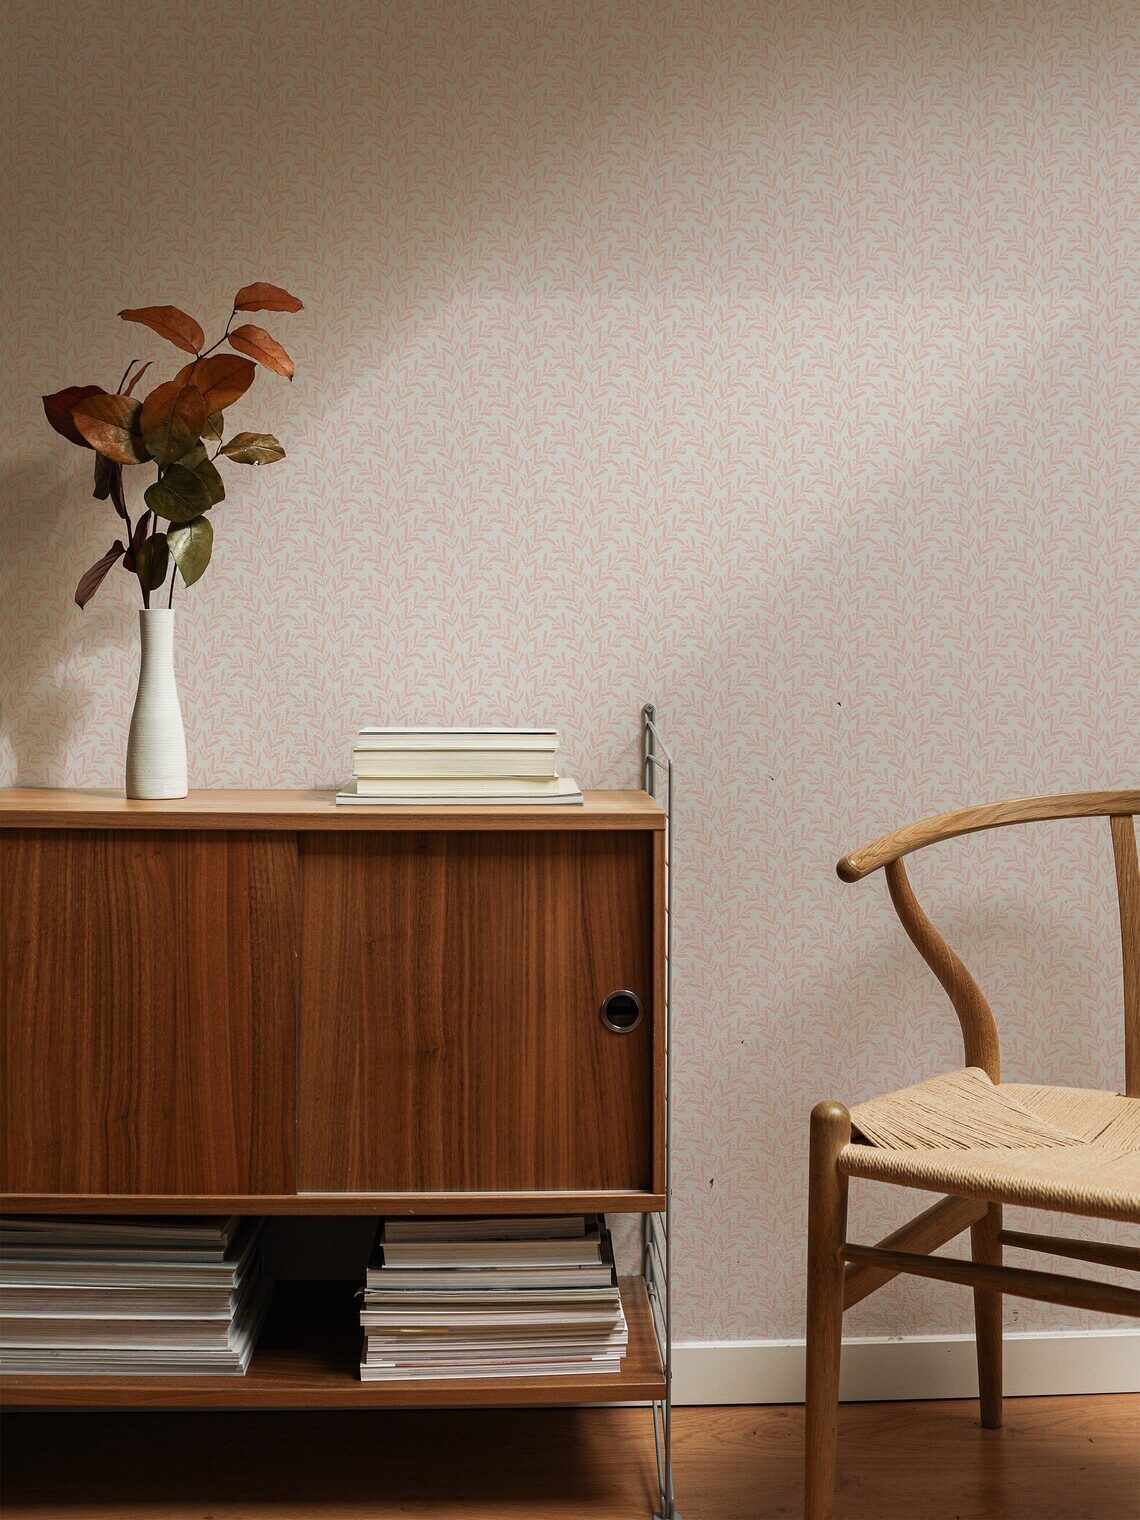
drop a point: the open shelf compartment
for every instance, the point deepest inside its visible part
(308, 1357)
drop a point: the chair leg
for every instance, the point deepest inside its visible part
(985, 1242)
(827, 1233)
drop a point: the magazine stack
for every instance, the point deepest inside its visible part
(84, 1296)
(491, 1298)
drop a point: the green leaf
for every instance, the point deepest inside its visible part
(178, 496)
(215, 423)
(253, 448)
(190, 543)
(199, 463)
(172, 420)
(151, 560)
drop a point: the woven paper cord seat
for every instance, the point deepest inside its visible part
(1060, 1148)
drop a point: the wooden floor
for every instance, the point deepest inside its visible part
(1056, 1459)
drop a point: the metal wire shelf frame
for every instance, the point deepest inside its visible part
(657, 1234)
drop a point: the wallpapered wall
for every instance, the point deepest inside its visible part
(777, 362)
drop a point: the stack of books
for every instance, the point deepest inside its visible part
(130, 1296)
(428, 767)
(483, 1298)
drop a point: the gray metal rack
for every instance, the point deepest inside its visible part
(657, 1233)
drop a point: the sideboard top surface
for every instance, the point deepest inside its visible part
(49, 808)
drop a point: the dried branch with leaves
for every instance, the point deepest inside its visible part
(173, 429)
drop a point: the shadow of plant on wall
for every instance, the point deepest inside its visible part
(46, 651)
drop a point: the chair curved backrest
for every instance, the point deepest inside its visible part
(979, 1030)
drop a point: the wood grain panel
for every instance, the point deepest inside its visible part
(449, 1023)
(48, 808)
(148, 985)
(407, 1205)
(661, 866)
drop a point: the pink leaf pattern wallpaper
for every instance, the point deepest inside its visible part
(779, 363)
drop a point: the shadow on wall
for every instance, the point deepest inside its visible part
(39, 674)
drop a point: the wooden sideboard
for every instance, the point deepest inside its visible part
(259, 1002)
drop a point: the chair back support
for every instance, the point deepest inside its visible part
(1128, 890)
(979, 1029)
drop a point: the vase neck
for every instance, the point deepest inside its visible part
(156, 632)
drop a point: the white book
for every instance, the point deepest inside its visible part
(373, 739)
(454, 763)
(568, 794)
(509, 788)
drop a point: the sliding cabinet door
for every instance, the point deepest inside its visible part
(449, 1017)
(148, 1012)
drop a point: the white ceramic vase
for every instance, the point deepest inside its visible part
(156, 745)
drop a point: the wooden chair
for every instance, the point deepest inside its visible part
(981, 1142)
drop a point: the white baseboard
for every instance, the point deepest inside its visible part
(908, 1367)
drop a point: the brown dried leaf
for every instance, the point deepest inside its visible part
(257, 343)
(110, 424)
(263, 297)
(58, 409)
(141, 529)
(109, 482)
(222, 379)
(169, 323)
(118, 498)
(104, 469)
(138, 376)
(93, 578)
(172, 420)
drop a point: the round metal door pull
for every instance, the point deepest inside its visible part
(621, 1012)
